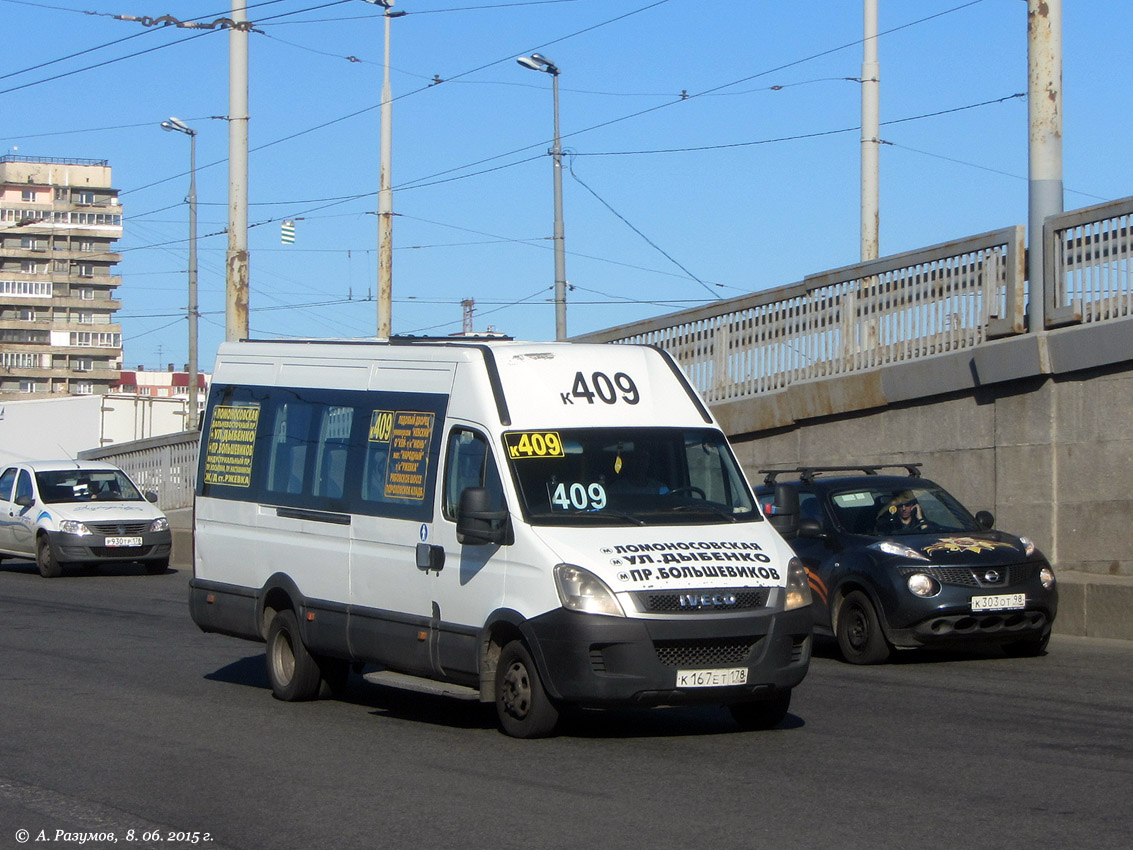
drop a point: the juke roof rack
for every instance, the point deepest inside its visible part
(807, 473)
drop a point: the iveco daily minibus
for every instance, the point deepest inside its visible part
(538, 525)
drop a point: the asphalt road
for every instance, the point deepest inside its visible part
(117, 714)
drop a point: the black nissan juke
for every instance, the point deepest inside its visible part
(895, 561)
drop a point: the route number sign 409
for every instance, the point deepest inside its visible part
(602, 387)
(525, 444)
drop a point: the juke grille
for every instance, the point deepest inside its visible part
(975, 576)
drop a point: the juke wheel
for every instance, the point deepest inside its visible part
(859, 631)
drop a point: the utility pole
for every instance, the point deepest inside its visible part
(1044, 117)
(236, 259)
(871, 133)
(469, 305)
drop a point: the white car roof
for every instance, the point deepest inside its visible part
(51, 465)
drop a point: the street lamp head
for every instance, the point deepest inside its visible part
(538, 62)
(176, 124)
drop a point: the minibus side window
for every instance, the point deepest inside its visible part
(289, 447)
(333, 446)
(470, 464)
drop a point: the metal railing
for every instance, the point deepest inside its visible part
(1089, 257)
(939, 299)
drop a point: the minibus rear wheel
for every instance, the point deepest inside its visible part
(293, 671)
(522, 705)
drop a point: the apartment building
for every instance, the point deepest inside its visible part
(59, 220)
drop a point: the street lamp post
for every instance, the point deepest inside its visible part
(537, 62)
(385, 192)
(176, 125)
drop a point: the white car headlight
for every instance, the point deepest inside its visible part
(160, 524)
(890, 547)
(73, 526)
(581, 590)
(798, 586)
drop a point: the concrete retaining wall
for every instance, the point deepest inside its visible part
(1035, 430)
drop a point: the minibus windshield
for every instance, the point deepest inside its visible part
(628, 476)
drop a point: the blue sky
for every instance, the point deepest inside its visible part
(712, 148)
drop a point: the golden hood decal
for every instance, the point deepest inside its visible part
(963, 544)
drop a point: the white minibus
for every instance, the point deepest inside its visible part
(538, 525)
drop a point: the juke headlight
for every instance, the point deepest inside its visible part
(922, 585)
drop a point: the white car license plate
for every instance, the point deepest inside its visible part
(123, 541)
(718, 678)
(1003, 602)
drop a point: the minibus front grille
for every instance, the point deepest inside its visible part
(705, 652)
(701, 601)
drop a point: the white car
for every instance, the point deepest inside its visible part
(87, 512)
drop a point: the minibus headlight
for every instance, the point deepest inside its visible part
(73, 526)
(581, 590)
(798, 586)
(160, 524)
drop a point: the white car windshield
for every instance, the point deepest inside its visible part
(86, 485)
(628, 476)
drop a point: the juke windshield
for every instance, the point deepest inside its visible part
(886, 511)
(628, 476)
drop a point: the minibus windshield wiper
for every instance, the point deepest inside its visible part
(705, 506)
(599, 515)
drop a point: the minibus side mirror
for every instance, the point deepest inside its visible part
(785, 511)
(476, 522)
(985, 520)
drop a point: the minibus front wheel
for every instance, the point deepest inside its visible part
(293, 671)
(522, 705)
